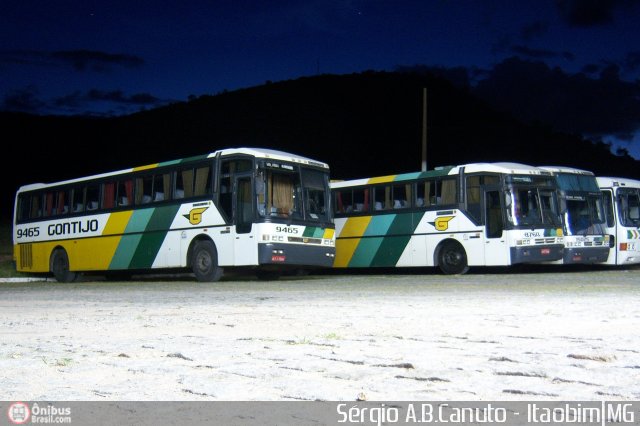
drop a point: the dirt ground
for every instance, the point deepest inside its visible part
(551, 336)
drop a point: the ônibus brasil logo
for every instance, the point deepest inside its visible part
(18, 413)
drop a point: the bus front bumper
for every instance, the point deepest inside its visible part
(535, 254)
(578, 255)
(296, 254)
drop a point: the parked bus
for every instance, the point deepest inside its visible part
(622, 210)
(258, 208)
(585, 238)
(453, 217)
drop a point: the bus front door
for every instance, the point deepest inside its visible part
(496, 250)
(245, 243)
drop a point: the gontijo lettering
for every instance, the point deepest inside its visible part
(75, 227)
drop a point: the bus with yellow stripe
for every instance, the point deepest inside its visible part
(480, 214)
(257, 208)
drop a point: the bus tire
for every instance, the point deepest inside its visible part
(60, 266)
(204, 262)
(452, 259)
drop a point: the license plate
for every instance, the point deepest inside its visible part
(545, 251)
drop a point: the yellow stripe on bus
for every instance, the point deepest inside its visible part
(382, 179)
(86, 249)
(354, 227)
(117, 223)
(344, 252)
(147, 167)
(328, 233)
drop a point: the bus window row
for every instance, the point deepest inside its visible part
(123, 191)
(395, 196)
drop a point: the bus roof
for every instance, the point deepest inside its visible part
(501, 167)
(256, 152)
(272, 154)
(498, 167)
(610, 182)
(565, 169)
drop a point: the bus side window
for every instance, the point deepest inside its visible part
(161, 187)
(446, 191)
(108, 195)
(382, 197)
(48, 204)
(77, 200)
(125, 193)
(608, 208)
(202, 181)
(424, 193)
(36, 206)
(144, 186)
(92, 197)
(473, 197)
(23, 207)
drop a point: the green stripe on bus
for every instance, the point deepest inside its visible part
(398, 236)
(368, 247)
(390, 251)
(313, 232)
(126, 248)
(379, 225)
(129, 243)
(138, 221)
(366, 250)
(194, 158)
(155, 233)
(407, 176)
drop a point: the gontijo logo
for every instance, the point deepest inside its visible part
(18, 413)
(195, 215)
(442, 223)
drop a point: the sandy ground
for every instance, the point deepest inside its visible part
(548, 336)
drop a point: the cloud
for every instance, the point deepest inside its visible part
(79, 60)
(589, 13)
(82, 60)
(540, 53)
(23, 100)
(575, 103)
(533, 30)
(77, 99)
(79, 102)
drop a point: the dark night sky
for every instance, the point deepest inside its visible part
(578, 61)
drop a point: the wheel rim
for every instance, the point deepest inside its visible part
(452, 258)
(60, 264)
(203, 262)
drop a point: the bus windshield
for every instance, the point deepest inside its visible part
(531, 207)
(292, 192)
(585, 216)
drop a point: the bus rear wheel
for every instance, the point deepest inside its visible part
(452, 259)
(204, 262)
(60, 266)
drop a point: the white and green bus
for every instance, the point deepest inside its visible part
(243, 207)
(482, 214)
(585, 238)
(622, 210)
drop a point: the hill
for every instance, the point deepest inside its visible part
(361, 124)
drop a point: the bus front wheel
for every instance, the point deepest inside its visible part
(452, 259)
(60, 266)
(204, 262)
